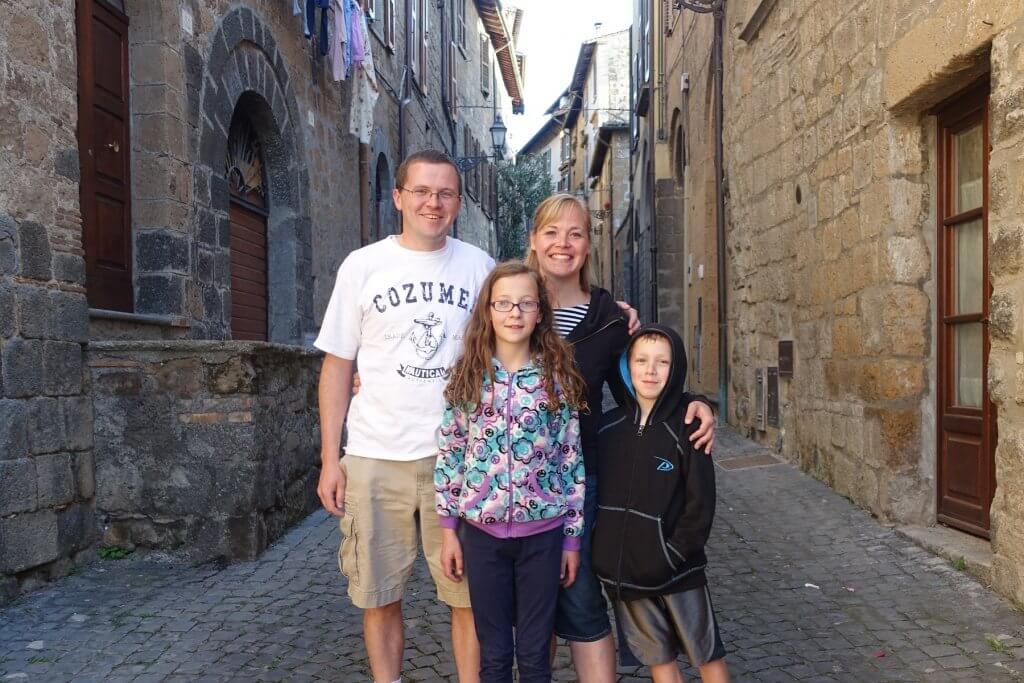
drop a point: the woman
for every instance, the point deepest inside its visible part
(594, 325)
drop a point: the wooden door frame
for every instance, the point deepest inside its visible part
(959, 112)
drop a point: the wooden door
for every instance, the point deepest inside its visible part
(966, 467)
(103, 143)
(248, 266)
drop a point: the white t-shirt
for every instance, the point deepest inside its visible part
(401, 314)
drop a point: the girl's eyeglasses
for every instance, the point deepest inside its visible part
(525, 306)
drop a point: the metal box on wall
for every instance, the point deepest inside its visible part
(772, 397)
(760, 399)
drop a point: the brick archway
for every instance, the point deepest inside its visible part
(244, 61)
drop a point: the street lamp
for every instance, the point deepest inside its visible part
(498, 133)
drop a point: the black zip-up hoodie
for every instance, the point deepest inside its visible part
(656, 493)
(597, 342)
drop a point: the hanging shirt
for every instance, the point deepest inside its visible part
(364, 89)
(296, 9)
(353, 28)
(359, 45)
(340, 38)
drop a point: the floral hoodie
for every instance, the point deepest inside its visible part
(515, 433)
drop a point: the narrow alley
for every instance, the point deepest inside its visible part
(808, 588)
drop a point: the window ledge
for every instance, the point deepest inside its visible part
(757, 19)
(139, 318)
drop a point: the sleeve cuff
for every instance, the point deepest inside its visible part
(571, 543)
(447, 522)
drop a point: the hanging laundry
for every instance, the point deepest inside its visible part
(359, 45)
(365, 89)
(310, 24)
(341, 38)
(296, 9)
(349, 7)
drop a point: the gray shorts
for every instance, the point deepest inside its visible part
(660, 628)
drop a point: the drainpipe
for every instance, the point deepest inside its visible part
(723, 328)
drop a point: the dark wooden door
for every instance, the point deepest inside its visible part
(103, 143)
(967, 439)
(248, 267)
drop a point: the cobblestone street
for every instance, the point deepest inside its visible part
(807, 587)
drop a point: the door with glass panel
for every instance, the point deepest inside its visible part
(966, 417)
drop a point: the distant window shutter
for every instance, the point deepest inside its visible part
(485, 65)
(413, 42)
(424, 35)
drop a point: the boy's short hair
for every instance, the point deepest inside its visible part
(648, 336)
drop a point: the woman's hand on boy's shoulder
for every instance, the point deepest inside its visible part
(703, 437)
(633, 322)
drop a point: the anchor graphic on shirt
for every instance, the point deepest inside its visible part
(425, 341)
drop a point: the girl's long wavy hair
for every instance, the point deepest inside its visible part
(554, 355)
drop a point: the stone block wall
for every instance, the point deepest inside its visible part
(46, 457)
(831, 167)
(207, 449)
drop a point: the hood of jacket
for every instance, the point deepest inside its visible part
(672, 396)
(602, 311)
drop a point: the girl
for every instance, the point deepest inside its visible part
(509, 467)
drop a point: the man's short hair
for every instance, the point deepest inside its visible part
(648, 336)
(425, 156)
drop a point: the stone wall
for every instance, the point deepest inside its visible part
(207, 449)
(46, 456)
(831, 171)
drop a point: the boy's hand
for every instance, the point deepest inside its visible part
(451, 555)
(331, 487)
(570, 563)
(634, 318)
(704, 437)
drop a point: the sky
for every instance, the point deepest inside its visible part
(550, 37)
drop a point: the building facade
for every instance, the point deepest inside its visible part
(179, 190)
(872, 242)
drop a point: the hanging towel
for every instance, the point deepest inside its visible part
(340, 30)
(364, 89)
(296, 9)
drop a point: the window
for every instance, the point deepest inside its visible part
(566, 146)
(389, 23)
(418, 36)
(453, 82)
(460, 24)
(413, 38)
(485, 65)
(381, 14)
(485, 188)
(467, 150)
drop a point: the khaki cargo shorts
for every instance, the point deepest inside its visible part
(387, 505)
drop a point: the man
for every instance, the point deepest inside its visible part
(399, 305)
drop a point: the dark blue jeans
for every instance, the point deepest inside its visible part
(513, 587)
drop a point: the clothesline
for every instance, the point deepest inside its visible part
(342, 35)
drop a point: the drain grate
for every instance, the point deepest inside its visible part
(748, 461)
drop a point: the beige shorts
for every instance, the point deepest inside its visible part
(387, 505)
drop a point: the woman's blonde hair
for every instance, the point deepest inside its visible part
(549, 211)
(555, 356)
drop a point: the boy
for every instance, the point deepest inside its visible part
(656, 502)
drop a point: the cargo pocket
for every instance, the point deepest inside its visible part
(348, 552)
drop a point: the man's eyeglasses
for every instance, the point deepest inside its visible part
(423, 194)
(524, 306)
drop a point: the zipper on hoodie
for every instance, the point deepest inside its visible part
(508, 447)
(625, 519)
(597, 331)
